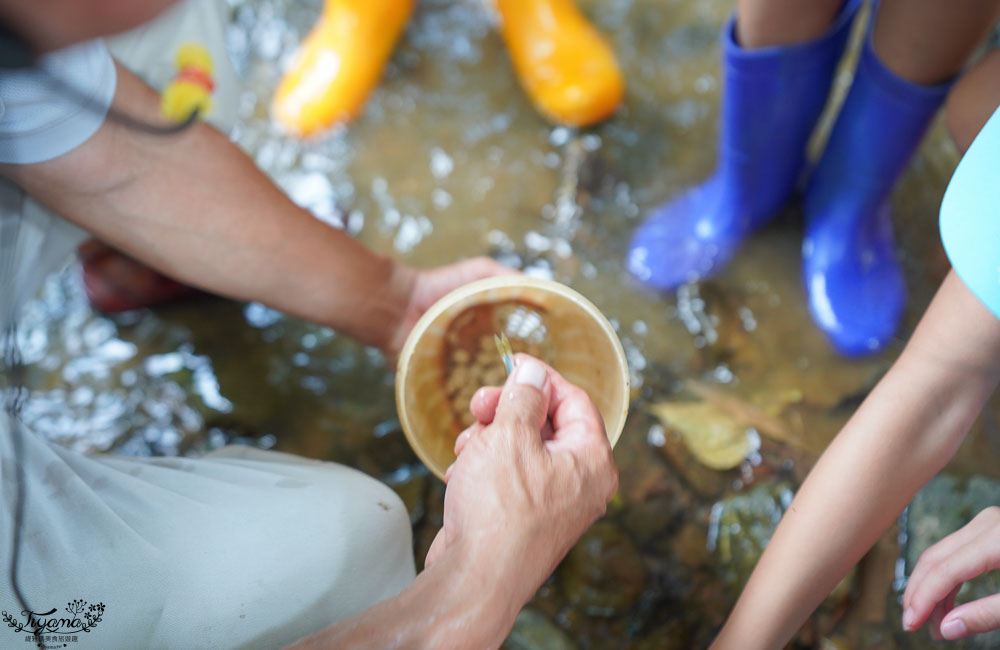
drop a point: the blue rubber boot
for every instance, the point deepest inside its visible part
(771, 100)
(853, 280)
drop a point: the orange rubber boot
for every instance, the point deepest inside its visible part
(339, 63)
(564, 64)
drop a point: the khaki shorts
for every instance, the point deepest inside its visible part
(240, 548)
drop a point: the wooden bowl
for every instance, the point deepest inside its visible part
(579, 341)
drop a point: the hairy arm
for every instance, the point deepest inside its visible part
(904, 433)
(514, 506)
(196, 208)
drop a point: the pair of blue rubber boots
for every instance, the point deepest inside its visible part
(772, 99)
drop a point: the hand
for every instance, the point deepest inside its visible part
(941, 570)
(423, 288)
(516, 502)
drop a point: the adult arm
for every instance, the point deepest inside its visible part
(516, 502)
(196, 208)
(452, 604)
(907, 429)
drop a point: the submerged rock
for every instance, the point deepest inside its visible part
(534, 631)
(741, 527)
(672, 636)
(650, 521)
(690, 545)
(739, 530)
(943, 506)
(604, 573)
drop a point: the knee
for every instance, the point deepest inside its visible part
(366, 521)
(960, 118)
(973, 99)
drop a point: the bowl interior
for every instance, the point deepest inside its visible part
(579, 341)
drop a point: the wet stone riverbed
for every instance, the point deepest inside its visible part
(449, 150)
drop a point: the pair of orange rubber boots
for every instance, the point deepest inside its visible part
(563, 63)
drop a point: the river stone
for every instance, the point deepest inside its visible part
(689, 545)
(604, 573)
(534, 631)
(741, 526)
(943, 506)
(649, 521)
(672, 636)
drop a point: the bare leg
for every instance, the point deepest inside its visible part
(763, 23)
(928, 41)
(973, 100)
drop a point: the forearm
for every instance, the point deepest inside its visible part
(853, 494)
(906, 431)
(196, 208)
(450, 605)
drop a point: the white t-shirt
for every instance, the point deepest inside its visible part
(150, 52)
(41, 119)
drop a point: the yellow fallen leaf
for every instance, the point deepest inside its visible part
(775, 403)
(766, 420)
(717, 440)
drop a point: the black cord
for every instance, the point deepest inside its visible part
(15, 366)
(13, 402)
(112, 114)
(16, 55)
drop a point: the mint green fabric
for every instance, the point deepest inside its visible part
(970, 216)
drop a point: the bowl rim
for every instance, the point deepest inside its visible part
(471, 291)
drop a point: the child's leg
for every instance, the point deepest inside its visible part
(855, 283)
(778, 59)
(928, 41)
(973, 100)
(764, 23)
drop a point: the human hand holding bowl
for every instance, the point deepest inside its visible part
(516, 502)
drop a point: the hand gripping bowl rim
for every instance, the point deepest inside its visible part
(467, 295)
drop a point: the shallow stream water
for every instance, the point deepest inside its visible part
(449, 150)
